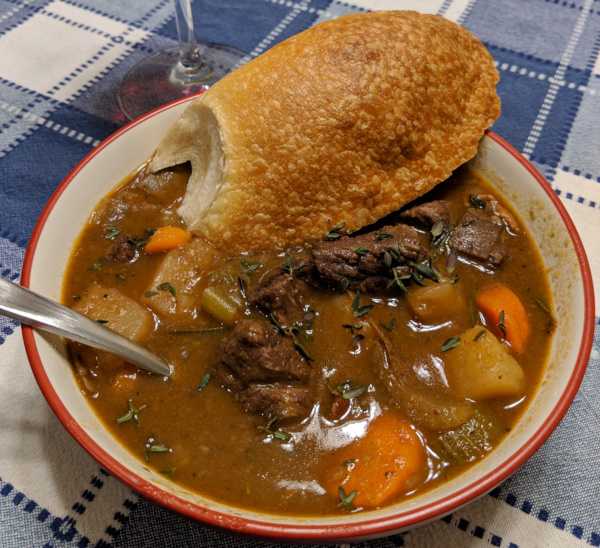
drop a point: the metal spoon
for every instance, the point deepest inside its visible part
(32, 309)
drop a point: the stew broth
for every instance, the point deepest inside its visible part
(399, 357)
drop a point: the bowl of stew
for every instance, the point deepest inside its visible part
(341, 391)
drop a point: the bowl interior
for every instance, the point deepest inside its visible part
(68, 211)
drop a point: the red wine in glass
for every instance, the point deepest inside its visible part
(170, 74)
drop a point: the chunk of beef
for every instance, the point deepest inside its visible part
(360, 258)
(288, 401)
(428, 213)
(479, 234)
(255, 353)
(283, 296)
(122, 250)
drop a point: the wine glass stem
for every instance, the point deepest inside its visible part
(191, 67)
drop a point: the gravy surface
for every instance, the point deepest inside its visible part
(193, 430)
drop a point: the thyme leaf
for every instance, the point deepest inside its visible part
(500, 323)
(111, 232)
(452, 342)
(358, 309)
(398, 281)
(159, 448)
(344, 283)
(289, 333)
(168, 472)
(289, 267)
(199, 330)
(361, 250)
(249, 267)
(381, 235)
(346, 500)
(391, 326)
(352, 327)
(479, 335)
(167, 286)
(427, 271)
(451, 261)
(387, 259)
(204, 381)
(131, 414)
(346, 390)
(97, 265)
(333, 233)
(438, 228)
(279, 434)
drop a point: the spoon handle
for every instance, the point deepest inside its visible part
(32, 309)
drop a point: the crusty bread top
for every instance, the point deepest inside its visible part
(345, 122)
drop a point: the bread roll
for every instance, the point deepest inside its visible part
(345, 122)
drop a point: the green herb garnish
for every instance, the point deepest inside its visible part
(344, 283)
(426, 271)
(198, 331)
(204, 381)
(452, 342)
(391, 326)
(346, 500)
(289, 333)
(451, 261)
(381, 235)
(500, 324)
(97, 266)
(167, 287)
(387, 259)
(361, 250)
(159, 448)
(275, 433)
(346, 390)
(479, 335)
(131, 414)
(332, 234)
(250, 267)
(168, 472)
(289, 267)
(111, 232)
(352, 327)
(543, 306)
(398, 281)
(438, 228)
(358, 309)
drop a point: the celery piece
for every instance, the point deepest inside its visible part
(221, 307)
(472, 440)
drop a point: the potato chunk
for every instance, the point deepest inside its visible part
(436, 303)
(480, 367)
(121, 314)
(173, 287)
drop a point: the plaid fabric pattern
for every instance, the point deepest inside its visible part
(61, 62)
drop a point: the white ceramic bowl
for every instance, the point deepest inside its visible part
(100, 171)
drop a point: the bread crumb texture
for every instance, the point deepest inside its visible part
(345, 122)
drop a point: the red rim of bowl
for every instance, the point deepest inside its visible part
(302, 533)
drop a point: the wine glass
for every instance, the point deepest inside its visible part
(188, 68)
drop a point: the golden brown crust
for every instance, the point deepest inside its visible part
(344, 122)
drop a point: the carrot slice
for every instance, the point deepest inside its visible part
(506, 315)
(380, 466)
(167, 237)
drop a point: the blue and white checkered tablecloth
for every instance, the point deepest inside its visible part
(61, 62)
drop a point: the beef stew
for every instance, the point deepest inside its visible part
(326, 379)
